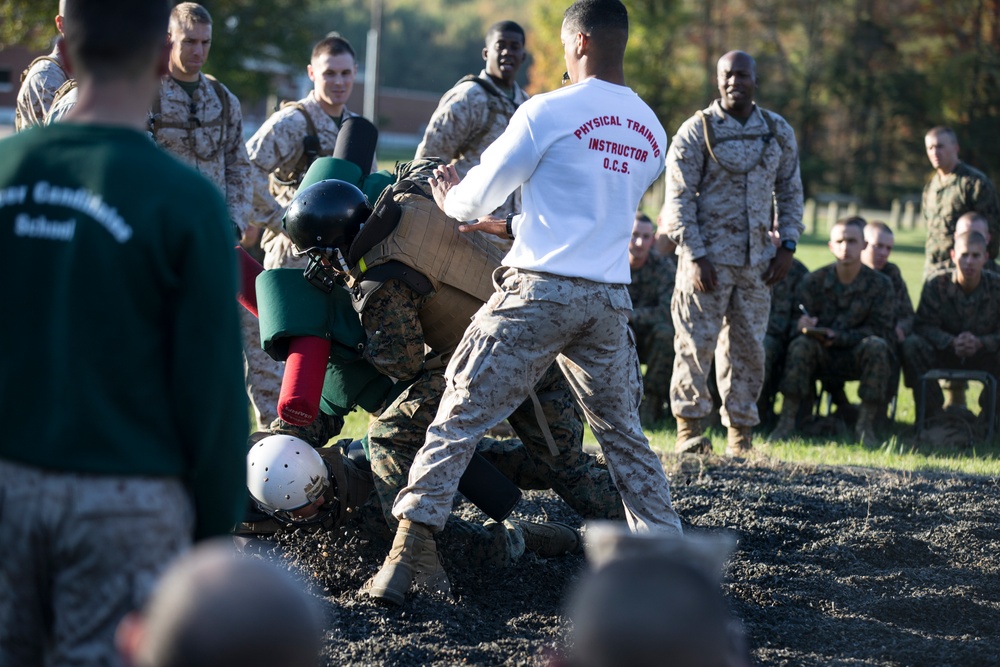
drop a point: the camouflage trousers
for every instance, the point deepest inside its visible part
(727, 324)
(79, 551)
(399, 432)
(263, 374)
(533, 320)
(919, 356)
(655, 345)
(870, 362)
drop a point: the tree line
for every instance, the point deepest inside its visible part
(860, 80)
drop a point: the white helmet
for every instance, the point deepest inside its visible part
(284, 474)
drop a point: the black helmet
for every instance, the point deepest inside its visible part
(326, 215)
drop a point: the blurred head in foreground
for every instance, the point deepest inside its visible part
(213, 608)
(651, 600)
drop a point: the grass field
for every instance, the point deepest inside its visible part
(898, 451)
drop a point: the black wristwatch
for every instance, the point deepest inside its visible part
(510, 231)
(788, 245)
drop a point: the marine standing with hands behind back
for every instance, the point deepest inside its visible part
(562, 295)
(724, 167)
(199, 121)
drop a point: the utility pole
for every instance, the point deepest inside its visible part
(371, 63)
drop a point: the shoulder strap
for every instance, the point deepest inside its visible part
(311, 148)
(61, 91)
(494, 108)
(155, 120)
(24, 74)
(709, 134)
(223, 96)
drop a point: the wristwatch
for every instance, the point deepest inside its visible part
(788, 245)
(510, 230)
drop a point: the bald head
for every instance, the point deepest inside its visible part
(737, 79)
(973, 222)
(214, 608)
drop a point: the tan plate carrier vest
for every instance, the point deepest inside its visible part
(459, 266)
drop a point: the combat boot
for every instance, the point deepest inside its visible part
(738, 441)
(413, 557)
(691, 438)
(865, 429)
(550, 539)
(786, 422)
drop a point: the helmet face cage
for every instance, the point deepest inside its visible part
(285, 474)
(320, 271)
(325, 217)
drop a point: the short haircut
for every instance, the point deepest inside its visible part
(333, 44)
(188, 14)
(974, 218)
(943, 130)
(879, 227)
(215, 608)
(855, 221)
(642, 217)
(597, 17)
(114, 39)
(970, 239)
(504, 26)
(62, 7)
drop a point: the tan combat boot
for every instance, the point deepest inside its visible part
(738, 441)
(786, 423)
(691, 438)
(865, 428)
(550, 539)
(413, 557)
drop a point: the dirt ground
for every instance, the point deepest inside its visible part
(834, 566)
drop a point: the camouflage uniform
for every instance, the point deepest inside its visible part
(862, 315)
(580, 325)
(780, 327)
(91, 515)
(945, 310)
(722, 209)
(650, 290)
(395, 347)
(945, 199)
(904, 315)
(274, 151)
(469, 118)
(192, 128)
(37, 90)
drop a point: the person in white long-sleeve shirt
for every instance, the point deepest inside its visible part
(583, 157)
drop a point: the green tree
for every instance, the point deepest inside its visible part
(29, 23)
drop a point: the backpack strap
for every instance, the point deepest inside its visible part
(311, 149)
(63, 90)
(24, 74)
(156, 121)
(709, 134)
(496, 107)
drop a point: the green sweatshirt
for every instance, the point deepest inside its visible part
(119, 334)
